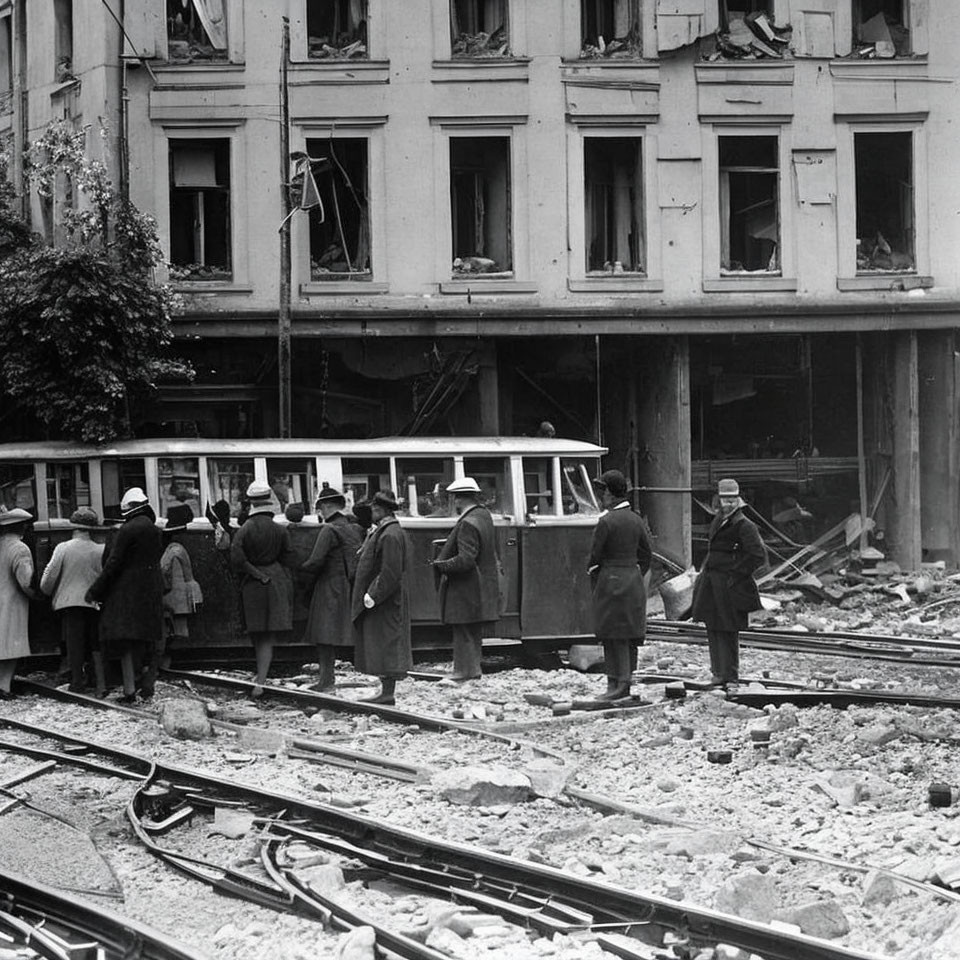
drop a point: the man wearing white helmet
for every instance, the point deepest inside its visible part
(469, 585)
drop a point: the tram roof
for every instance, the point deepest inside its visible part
(305, 447)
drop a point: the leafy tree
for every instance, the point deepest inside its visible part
(86, 329)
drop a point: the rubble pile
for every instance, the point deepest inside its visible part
(322, 48)
(882, 37)
(620, 48)
(752, 37)
(469, 45)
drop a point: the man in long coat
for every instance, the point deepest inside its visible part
(725, 591)
(261, 554)
(620, 557)
(380, 605)
(130, 591)
(469, 585)
(16, 576)
(331, 565)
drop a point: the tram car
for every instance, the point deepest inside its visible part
(538, 489)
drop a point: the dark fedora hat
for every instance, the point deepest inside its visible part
(328, 494)
(178, 516)
(386, 499)
(612, 480)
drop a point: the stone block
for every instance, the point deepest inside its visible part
(751, 895)
(483, 786)
(879, 889)
(547, 777)
(702, 843)
(821, 918)
(185, 719)
(358, 944)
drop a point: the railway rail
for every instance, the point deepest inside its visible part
(540, 897)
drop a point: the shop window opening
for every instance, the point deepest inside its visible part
(881, 28)
(200, 210)
(886, 228)
(479, 28)
(340, 223)
(749, 205)
(610, 28)
(613, 196)
(481, 206)
(337, 29)
(196, 30)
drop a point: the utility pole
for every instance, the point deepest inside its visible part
(283, 346)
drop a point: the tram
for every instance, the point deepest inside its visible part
(538, 489)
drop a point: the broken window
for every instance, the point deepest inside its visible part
(613, 198)
(881, 28)
(748, 30)
(200, 210)
(749, 204)
(610, 28)
(196, 30)
(340, 224)
(6, 64)
(885, 213)
(63, 40)
(337, 29)
(480, 205)
(479, 28)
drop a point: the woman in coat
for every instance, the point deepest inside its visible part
(619, 559)
(331, 568)
(16, 575)
(261, 555)
(74, 566)
(725, 591)
(380, 605)
(181, 592)
(130, 592)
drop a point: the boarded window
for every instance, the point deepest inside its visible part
(340, 225)
(480, 205)
(337, 29)
(479, 28)
(610, 28)
(200, 210)
(196, 30)
(749, 204)
(886, 229)
(881, 28)
(63, 40)
(613, 198)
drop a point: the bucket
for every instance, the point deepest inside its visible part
(677, 595)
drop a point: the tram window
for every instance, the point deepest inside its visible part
(363, 477)
(538, 485)
(493, 477)
(17, 486)
(229, 480)
(423, 484)
(118, 476)
(68, 487)
(179, 483)
(576, 493)
(293, 481)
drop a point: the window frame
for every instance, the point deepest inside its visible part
(508, 20)
(233, 13)
(582, 18)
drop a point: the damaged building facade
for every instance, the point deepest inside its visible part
(718, 235)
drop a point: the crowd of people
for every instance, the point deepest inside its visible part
(127, 602)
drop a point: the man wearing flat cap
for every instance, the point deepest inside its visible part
(469, 585)
(725, 591)
(331, 568)
(261, 554)
(380, 605)
(619, 560)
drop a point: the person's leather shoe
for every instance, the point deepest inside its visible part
(620, 692)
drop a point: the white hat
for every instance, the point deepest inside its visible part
(259, 490)
(463, 485)
(132, 499)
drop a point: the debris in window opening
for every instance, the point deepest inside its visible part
(876, 253)
(754, 36)
(482, 44)
(188, 39)
(463, 265)
(881, 37)
(620, 48)
(337, 30)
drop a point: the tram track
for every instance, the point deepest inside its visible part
(552, 899)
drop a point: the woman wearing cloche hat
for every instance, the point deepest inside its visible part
(725, 591)
(16, 574)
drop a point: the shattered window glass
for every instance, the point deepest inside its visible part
(749, 205)
(886, 228)
(748, 31)
(196, 30)
(610, 28)
(340, 221)
(337, 29)
(613, 204)
(881, 29)
(479, 28)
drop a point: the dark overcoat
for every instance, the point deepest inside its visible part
(725, 591)
(619, 558)
(467, 564)
(330, 621)
(260, 547)
(129, 587)
(382, 634)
